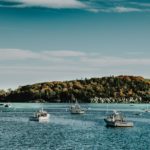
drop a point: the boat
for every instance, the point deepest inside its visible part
(40, 116)
(116, 119)
(7, 105)
(147, 110)
(138, 113)
(76, 109)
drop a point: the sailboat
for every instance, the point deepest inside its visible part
(76, 109)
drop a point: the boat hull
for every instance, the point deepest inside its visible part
(40, 119)
(7, 105)
(77, 112)
(118, 123)
(147, 110)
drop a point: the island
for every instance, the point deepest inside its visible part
(112, 89)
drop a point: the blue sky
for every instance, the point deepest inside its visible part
(46, 40)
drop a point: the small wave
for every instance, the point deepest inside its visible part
(144, 120)
(71, 122)
(14, 119)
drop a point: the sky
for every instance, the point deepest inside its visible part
(59, 40)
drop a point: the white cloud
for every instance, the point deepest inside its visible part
(16, 54)
(64, 53)
(50, 3)
(94, 10)
(121, 9)
(69, 56)
(117, 6)
(92, 59)
(104, 61)
(116, 9)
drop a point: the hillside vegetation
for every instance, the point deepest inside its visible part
(122, 89)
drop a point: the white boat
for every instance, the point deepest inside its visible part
(117, 120)
(7, 105)
(76, 109)
(40, 116)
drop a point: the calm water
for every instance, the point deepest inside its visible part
(72, 132)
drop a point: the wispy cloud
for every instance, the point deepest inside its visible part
(110, 61)
(95, 6)
(47, 3)
(64, 53)
(19, 67)
(91, 59)
(122, 9)
(18, 54)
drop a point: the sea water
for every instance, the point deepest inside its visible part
(73, 132)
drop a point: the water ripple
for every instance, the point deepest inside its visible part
(72, 132)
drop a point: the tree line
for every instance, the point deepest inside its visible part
(119, 88)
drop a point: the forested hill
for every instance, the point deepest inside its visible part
(123, 89)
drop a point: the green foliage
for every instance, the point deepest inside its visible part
(119, 89)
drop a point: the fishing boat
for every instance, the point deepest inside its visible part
(116, 119)
(40, 116)
(76, 109)
(7, 105)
